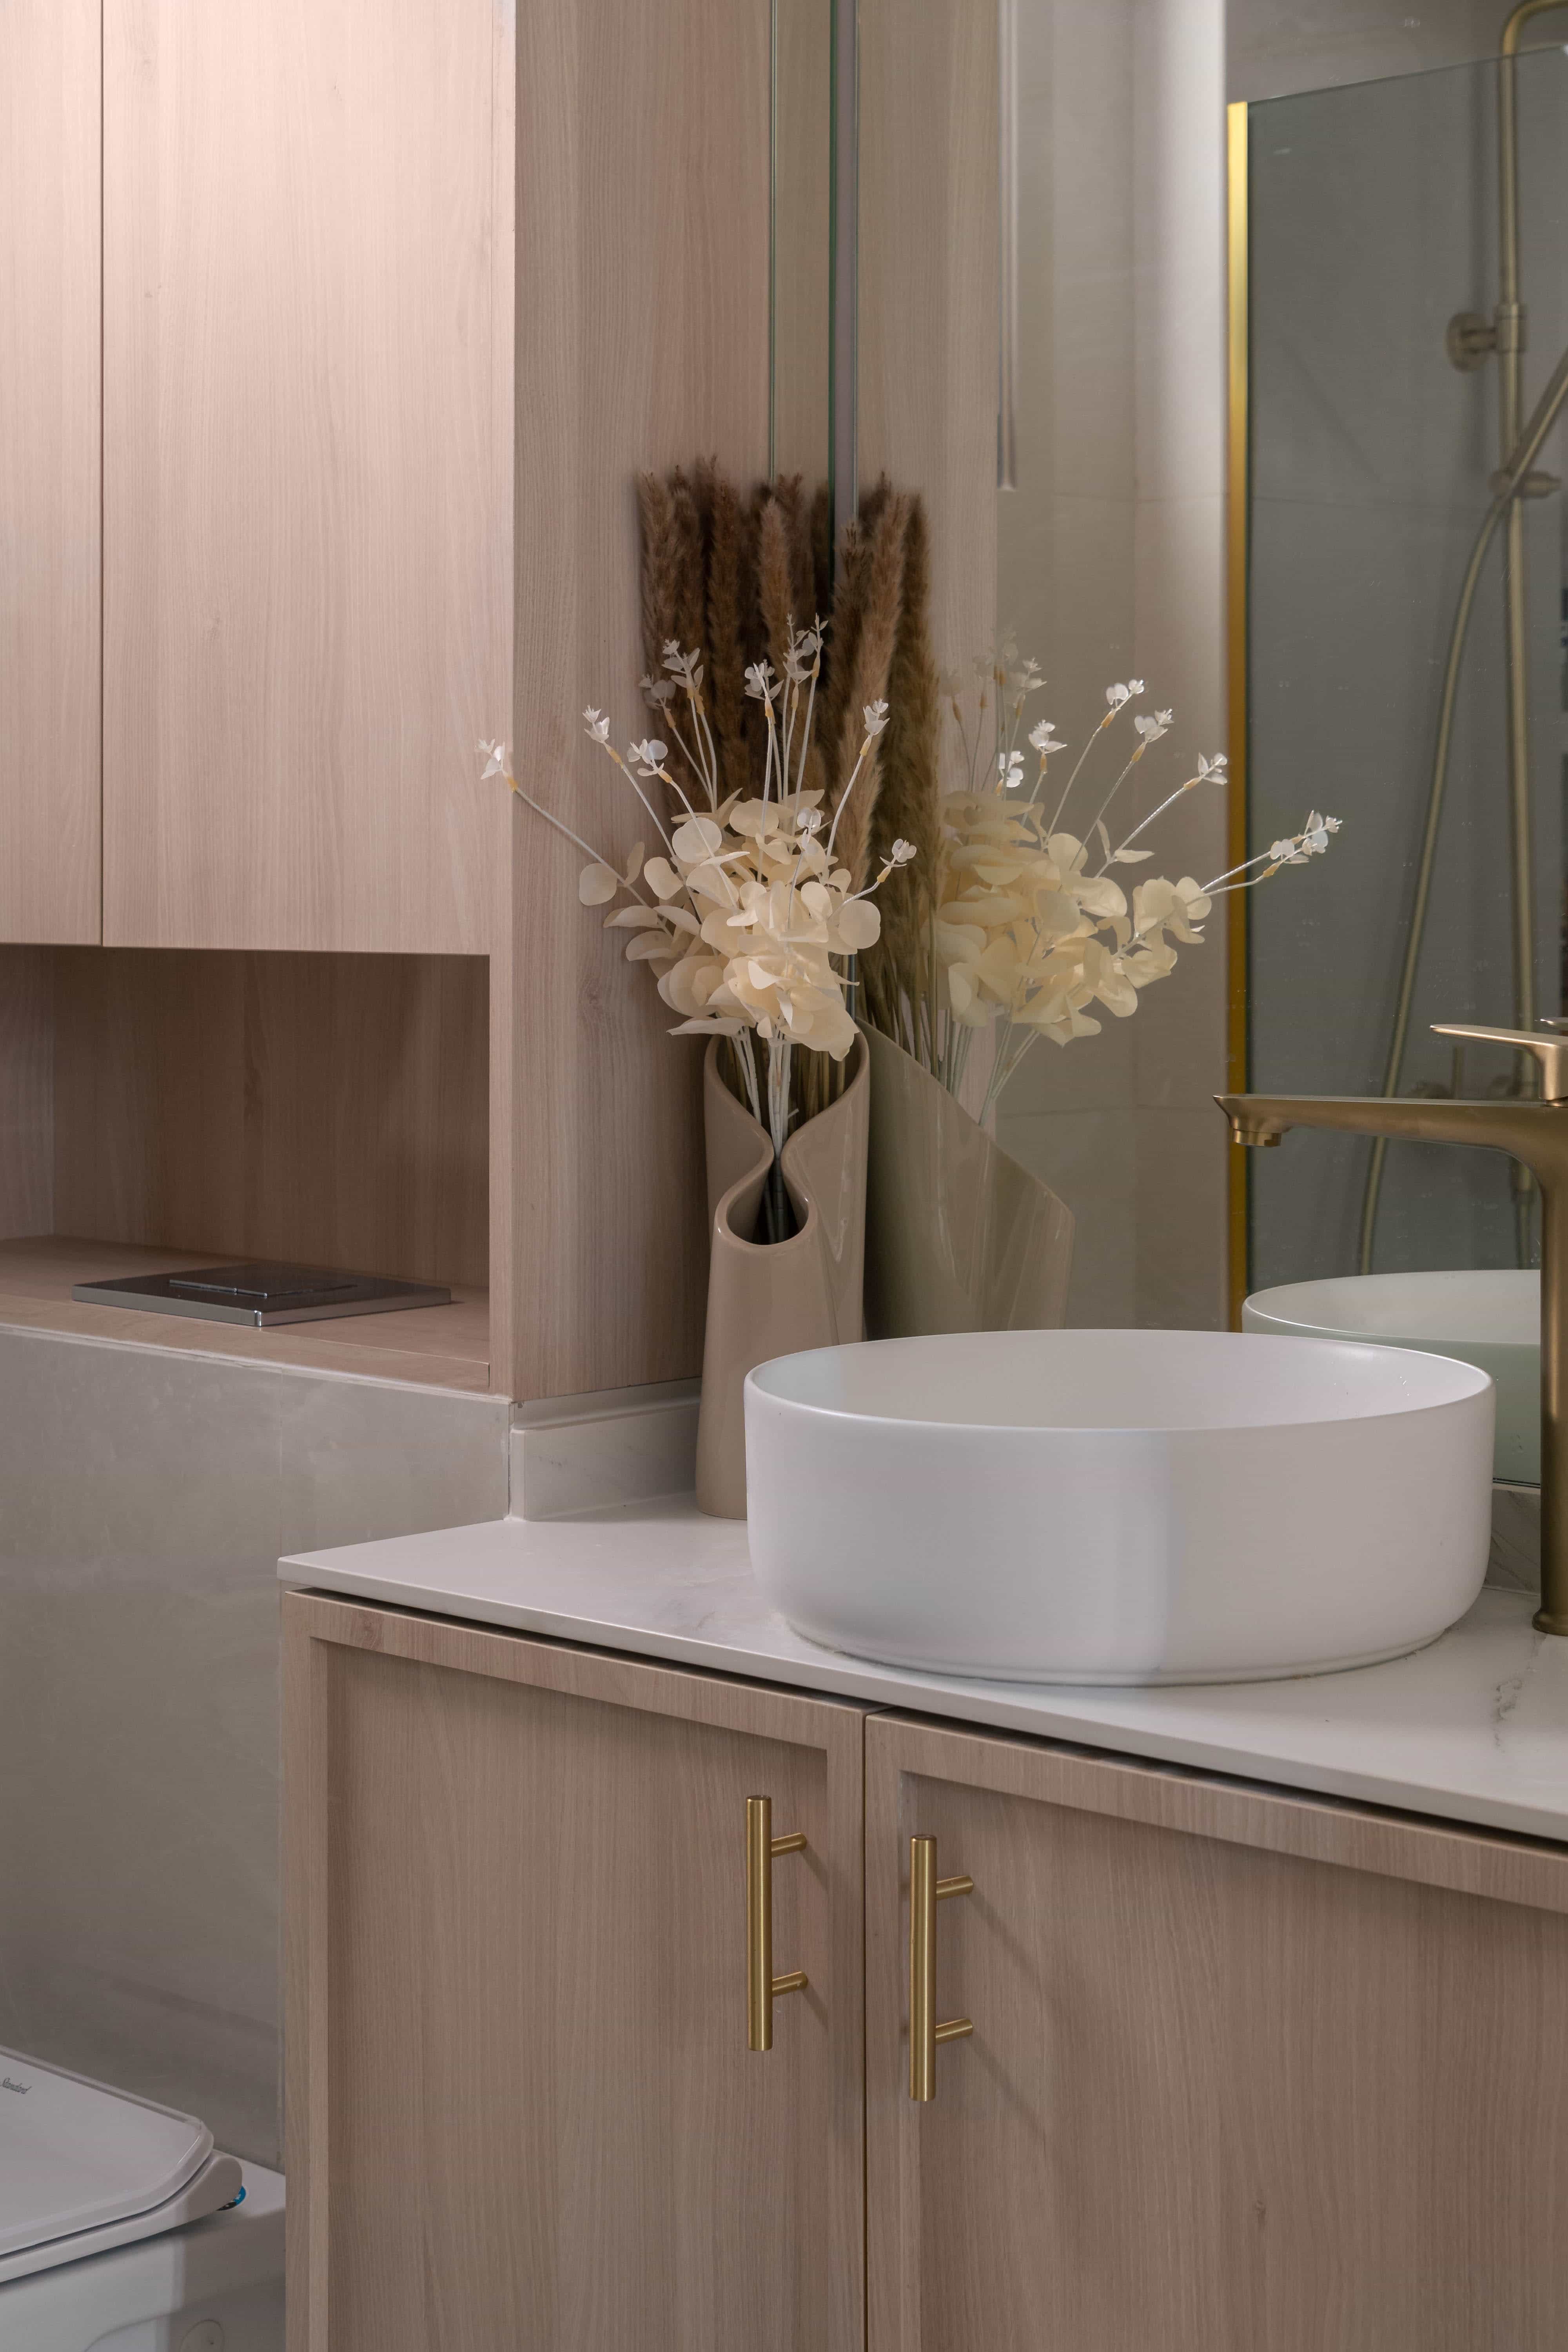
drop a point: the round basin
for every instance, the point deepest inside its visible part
(1120, 1506)
(1489, 1317)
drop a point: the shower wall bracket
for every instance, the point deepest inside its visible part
(1471, 339)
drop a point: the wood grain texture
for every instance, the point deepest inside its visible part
(521, 2110)
(27, 1091)
(306, 472)
(49, 422)
(438, 1347)
(642, 151)
(325, 1108)
(1246, 2070)
(928, 327)
(803, 241)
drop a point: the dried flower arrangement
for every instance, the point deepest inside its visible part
(749, 910)
(756, 905)
(802, 774)
(1017, 918)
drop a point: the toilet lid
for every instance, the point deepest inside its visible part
(74, 2155)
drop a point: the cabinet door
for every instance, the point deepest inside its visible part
(307, 441)
(1247, 2071)
(522, 2115)
(49, 326)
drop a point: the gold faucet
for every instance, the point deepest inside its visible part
(1531, 1129)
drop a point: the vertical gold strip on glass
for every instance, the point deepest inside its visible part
(1235, 661)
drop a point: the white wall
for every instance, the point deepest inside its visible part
(147, 1497)
(1113, 555)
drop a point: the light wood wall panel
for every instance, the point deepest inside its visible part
(642, 150)
(307, 469)
(803, 239)
(325, 1108)
(927, 390)
(49, 423)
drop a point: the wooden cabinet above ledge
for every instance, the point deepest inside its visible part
(396, 295)
(306, 472)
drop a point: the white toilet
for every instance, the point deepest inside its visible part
(123, 2230)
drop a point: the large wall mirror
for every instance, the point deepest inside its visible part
(1183, 320)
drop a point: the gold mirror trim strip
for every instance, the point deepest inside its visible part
(1237, 450)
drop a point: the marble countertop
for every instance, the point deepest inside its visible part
(1473, 1729)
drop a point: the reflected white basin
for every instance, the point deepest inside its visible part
(1488, 1316)
(1120, 1506)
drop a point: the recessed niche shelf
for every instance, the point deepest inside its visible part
(179, 1108)
(446, 1347)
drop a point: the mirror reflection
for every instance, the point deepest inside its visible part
(1408, 317)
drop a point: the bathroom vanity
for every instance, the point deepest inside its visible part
(1266, 1985)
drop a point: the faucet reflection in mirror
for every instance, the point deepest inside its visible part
(1535, 1133)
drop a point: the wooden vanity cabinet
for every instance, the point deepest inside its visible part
(1249, 2072)
(522, 2113)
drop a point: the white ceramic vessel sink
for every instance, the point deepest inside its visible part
(1120, 1506)
(1489, 1317)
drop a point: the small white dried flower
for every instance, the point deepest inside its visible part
(1044, 738)
(598, 725)
(1117, 696)
(810, 821)
(659, 690)
(875, 714)
(902, 853)
(1211, 770)
(495, 759)
(762, 685)
(1315, 835)
(687, 667)
(800, 655)
(649, 756)
(1009, 770)
(1150, 729)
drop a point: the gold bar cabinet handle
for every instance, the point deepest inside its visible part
(763, 1988)
(926, 1891)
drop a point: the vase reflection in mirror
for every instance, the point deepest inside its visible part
(959, 1236)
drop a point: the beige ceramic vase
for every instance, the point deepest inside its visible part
(767, 1299)
(959, 1236)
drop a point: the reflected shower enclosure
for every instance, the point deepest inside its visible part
(1407, 365)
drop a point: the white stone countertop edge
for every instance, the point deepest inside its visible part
(1473, 1729)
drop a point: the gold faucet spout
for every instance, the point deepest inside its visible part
(1535, 1132)
(1529, 1129)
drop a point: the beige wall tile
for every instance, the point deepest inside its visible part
(148, 1496)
